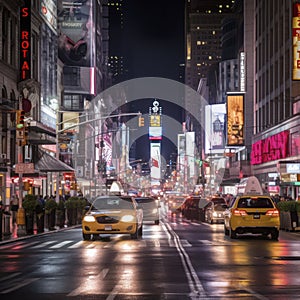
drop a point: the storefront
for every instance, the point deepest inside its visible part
(275, 158)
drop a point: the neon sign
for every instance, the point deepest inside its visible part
(25, 41)
(270, 149)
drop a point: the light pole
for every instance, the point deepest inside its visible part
(60, 130)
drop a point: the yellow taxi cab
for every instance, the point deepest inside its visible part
(252, 212)
(113, 214)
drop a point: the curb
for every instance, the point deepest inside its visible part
(15, 239)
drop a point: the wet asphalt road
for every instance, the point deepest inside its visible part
(176, 259)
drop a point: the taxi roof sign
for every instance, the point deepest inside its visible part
(250, 186)
(116, 188)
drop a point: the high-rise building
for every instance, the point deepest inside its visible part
(203, 37)
(116, 48)
(203, 34)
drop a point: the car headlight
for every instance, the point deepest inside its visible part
(215, 214)
(89, 219)
(127, 218)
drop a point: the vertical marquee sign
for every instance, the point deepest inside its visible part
(25, 41)
(296, 41)
(235, 120)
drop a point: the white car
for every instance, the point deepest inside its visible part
(150, 208)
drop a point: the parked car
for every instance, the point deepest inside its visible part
(113, 215)
(193, 208)
(214, 210)
(150, 208)
(255, 214)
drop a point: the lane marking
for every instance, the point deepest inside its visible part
(10, 276)
(196, 287)
(16, 287)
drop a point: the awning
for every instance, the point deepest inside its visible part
(48, 163)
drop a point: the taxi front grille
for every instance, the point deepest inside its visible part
(107, 220)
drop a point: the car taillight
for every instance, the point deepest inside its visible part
(273, 213)
(239, 212)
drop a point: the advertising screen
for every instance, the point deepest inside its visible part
(235, 120)
(214, 128)
(155, 133)
(76, 32)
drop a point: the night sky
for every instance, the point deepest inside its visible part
(153, 46)
(154, 37)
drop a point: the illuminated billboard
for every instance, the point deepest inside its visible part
(77, 45)
(190, 152)
(235, 120)
(296, 41)
(214, 128)
(155, 161)
(49, 13)
(155, 120)
(155, 126)
(155, 133)
(77, 34)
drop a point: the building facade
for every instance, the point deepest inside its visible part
(275, 154)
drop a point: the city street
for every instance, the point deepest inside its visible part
(177, 259)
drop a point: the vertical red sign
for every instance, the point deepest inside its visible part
(25, 41)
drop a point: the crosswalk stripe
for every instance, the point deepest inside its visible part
(185, 243)
(206, 242)
(43, 244)
(59, 245)
(71, 244)
(76, 245)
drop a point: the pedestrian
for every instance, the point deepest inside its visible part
(276, 198)
(14, 206)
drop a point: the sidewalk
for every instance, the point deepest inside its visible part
(13, 236)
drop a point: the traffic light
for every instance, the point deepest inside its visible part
(102, 168)
(20, 120)
(141, 121)
(26, 133)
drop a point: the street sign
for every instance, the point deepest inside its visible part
(24, 168)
